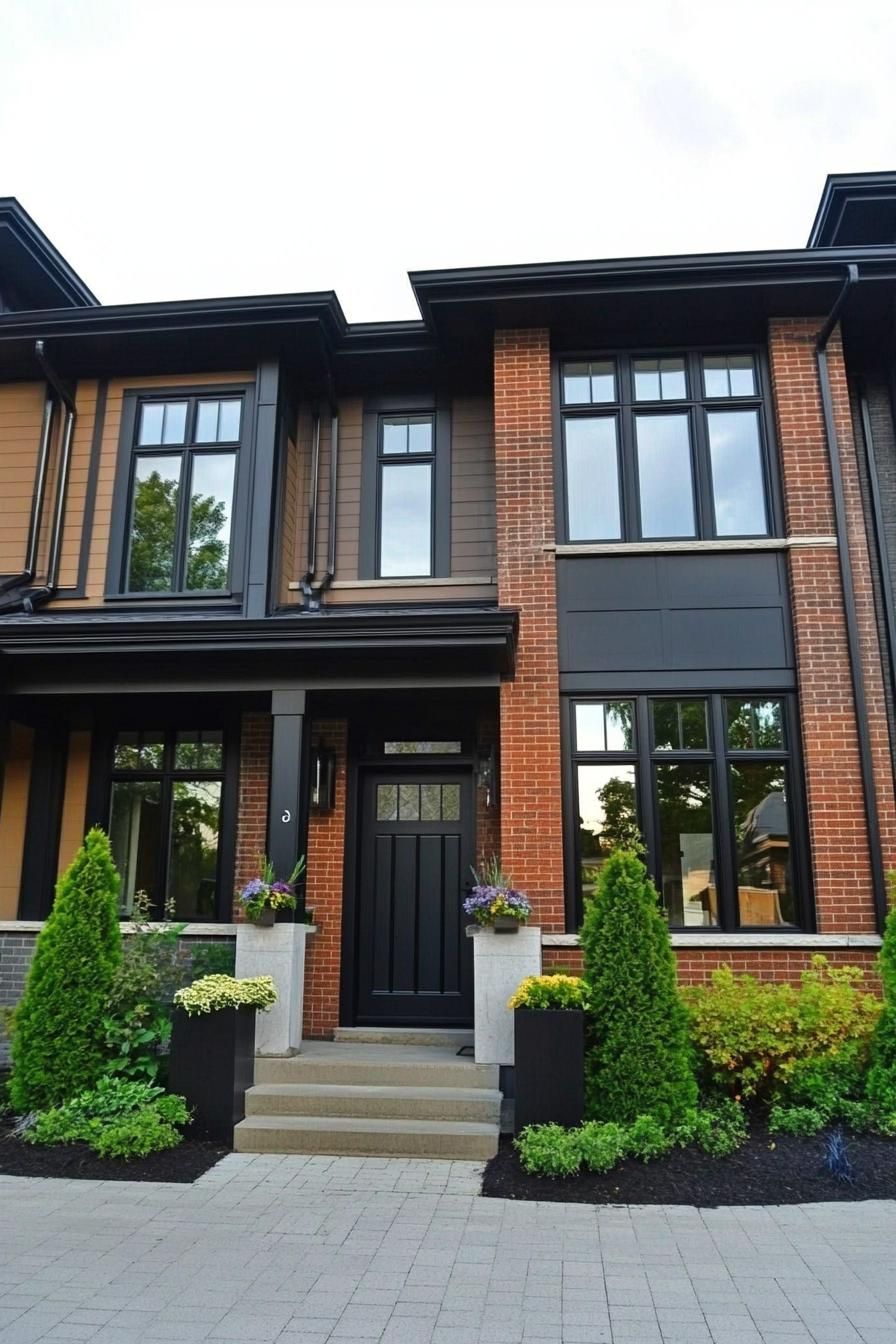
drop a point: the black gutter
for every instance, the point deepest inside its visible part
(311, 558)
(331, 531)
(880, 537)
(35, 597)
(866, 760)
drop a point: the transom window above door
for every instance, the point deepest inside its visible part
(181, 494)
(664, 448)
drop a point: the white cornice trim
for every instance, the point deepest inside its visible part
(671, 547)
(819, 942)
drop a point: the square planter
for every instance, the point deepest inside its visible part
(213, 1065)
(549, 1074)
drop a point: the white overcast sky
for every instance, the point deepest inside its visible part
(194, 149)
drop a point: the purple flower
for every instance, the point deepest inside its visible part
(255, 887)
(282, 886)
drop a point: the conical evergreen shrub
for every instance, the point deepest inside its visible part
(638, 1060)
(57, 1048)
(881, 1085)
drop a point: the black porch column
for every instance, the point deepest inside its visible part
(286, 806)
(49, 759)
(262, 502)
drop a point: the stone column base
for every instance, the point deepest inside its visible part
(278, 951)
(500, 962)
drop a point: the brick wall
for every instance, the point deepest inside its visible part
(696, 966)
(323, 892)
(531, 819)
(252, 813)
(837, 828)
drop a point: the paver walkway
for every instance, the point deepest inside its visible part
(303, 1250)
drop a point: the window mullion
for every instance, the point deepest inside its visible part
(723, 822)
(183, 521)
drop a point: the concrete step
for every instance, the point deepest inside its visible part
(383, 1103)
(449, 1039)
(342, 1136)
(376, 1065)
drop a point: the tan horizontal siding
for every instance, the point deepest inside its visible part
(21, 410)
(472, 487)
(14, 817)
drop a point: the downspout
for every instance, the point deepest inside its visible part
(305, 583)
(866, 763)
(36, 596)
(37, 502)
(880, 536)
(331, 530)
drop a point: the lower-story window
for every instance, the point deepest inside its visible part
(165, 818)
(706, 785)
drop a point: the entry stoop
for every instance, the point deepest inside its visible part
(354, 1098)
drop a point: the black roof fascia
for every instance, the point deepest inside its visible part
(35, 251)
(715, 270)
(842, 190)
(405, 629)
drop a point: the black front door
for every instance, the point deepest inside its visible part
(415, 964)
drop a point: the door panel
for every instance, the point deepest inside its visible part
(416, 846)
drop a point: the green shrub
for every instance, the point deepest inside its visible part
(550, 991)
(58, 1047)
(881, 1087)
(548, 1150)
(719, 1129)
(799, 1120)
(752, 1037)
(601, 1145)
(638, 1058)
(118, 1118)
(136, 1040)
(648, 1139)
(827, 1083)
(148, 973)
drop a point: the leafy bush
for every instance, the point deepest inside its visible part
(136, 1041)
(799, 1120)
(753, 1037)
(647, 1139)
(215, 992)
(213, 959)
(548, 1150)
(720, 1129)
(550, 991)
(831, 1084)
(117, 1118)
(149, 972)
(882, 1073)
(638, 1059)
(601, 1145)
(58, 1047)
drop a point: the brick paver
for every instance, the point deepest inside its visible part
(306, 1250)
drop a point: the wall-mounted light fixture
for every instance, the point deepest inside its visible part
(487, 773)
(323, 780)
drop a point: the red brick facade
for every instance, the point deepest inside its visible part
(252, 812)
(531, 813)
(837, 825)
(695, 966)
(323, 892)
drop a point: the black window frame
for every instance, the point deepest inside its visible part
(104, 773)
(130, 451)
(695, 406)
(719, 757)
(377, 410)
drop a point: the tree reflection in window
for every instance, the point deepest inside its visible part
(154, 531)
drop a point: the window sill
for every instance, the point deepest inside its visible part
(176, 599)
(786, 939)
(405, 583)
(690, 545)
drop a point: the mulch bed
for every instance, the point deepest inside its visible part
(76, 1161)
(768, 1169)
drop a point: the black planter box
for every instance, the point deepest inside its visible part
(549, 1066)
(212, 1065)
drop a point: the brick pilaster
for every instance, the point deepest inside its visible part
(323, 892)
(837, 826)
(252, 812)
(531, 816)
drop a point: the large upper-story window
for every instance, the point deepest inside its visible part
(706, 783)
(181, 494)
(405, 530)
(664, 448)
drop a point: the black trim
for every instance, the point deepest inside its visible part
(46, 795)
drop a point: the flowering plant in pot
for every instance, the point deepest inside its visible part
(549, 1050)
(264, 895)
(494, 902)
(213, 1048)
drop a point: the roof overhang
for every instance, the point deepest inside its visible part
(856, 209)
(33, 272)
(424, 641)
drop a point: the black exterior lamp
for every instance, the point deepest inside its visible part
(323, 780)
(487, 773)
